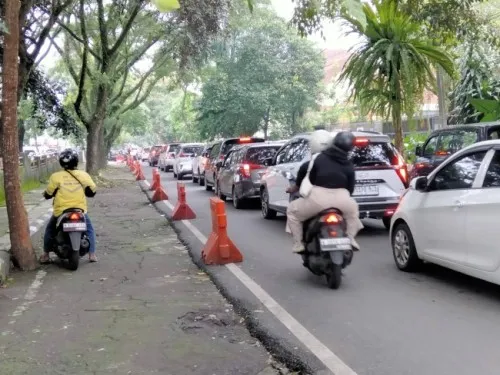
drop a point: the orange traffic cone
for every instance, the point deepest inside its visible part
(219, 249)
(182, 211)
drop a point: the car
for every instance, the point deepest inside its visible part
(154, 155)
(450, 216)
(240, 174)
(183, 162)
(199, 163)
(442, 143)
(145, 154)
(167, 157)
(217, 155)
(381, 175)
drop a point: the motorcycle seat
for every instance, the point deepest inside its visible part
(72, 210)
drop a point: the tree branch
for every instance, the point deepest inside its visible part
(138, 101)
(126, 28)
(103, 36)
(71, 70)
(81, 84)
(77, 38)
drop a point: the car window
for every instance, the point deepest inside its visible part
(373, 154)
(492, 178)
(280, 157)
(215, 151)
(229, 159)
(494, 132)
(451, 142)
(430, 147)
(174, 148)
(259, 155)
(191, 150)
(460, 174)
(297, 151)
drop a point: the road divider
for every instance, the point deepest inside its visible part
(159, 192)
(219, 249)
(139, 176)
(181, 210)
(156, 180)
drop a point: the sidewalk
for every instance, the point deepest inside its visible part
(143, 309)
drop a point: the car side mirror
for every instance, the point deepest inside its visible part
(418, 151)
(419, 183)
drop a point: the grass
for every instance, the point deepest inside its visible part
(25, 187)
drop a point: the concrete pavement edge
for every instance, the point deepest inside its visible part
(276, 340)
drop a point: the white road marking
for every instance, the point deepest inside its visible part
(30, 295)
(320, 350)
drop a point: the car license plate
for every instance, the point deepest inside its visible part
(75, 227)
(335, 244)
(365, 191)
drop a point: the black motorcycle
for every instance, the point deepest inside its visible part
(71, 241)
(328, 250)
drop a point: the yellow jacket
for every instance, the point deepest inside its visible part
(69, 191)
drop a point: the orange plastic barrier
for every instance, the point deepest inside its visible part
(160, 194)
(139, 176)
(219, 249)
(182, 211)
(156, 180)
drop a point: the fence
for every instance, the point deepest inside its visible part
(33, 169)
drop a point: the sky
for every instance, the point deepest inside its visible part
(334, 33)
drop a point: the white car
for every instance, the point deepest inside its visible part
(183, 162)
(381, 175)
(167, 157)
(199, 163)
(450, 217)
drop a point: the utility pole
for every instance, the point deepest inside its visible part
(20, 239)
(441, 99)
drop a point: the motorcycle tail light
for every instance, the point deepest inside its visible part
(75, 216)
(331, 219)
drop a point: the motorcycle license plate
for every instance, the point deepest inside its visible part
(335, 244)
(74, 227)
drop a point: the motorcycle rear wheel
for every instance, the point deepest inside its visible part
(74, 260)
(334, 276)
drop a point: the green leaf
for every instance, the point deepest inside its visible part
(250, 5)
(354, 8)
(485, 105)
(490, 117)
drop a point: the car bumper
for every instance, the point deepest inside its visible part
(185, 169)
(248, 190)
(377, 210)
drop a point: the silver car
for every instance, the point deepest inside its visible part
(183, 162)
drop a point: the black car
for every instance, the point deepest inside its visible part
(217, 155)
(240, 174)
(444, 142)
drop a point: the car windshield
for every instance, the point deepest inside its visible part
(259, 155)
(229, 144)
(192, 149)
(373, 155)
(174, 148)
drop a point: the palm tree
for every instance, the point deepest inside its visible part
(394, 64)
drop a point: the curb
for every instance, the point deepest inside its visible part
(305, 364)
(5, 259)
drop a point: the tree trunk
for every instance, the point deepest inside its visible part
(20, 137)
(93, 150)
(20, 240)
(398, 128)
(95, 136)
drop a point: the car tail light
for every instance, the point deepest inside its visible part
(389, 212)
(222, 157)
(246, 169)
(401, 169)
(245, 139)
(331, 219)
(361, 142)
(442, 153)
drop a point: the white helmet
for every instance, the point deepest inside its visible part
(320, 140)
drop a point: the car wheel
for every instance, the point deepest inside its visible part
(207, 186)
(180, 176)
(175, 174)
(403, 249)
(267, 213)
(201, 180)
(237, 203)
(218, 192)
(387, 222)
(194, 178)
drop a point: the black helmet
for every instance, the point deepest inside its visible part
(344, 140)
(68, 159)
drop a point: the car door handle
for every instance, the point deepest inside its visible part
(459, 204)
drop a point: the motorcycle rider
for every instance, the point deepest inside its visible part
(333, 179)
(69, 188)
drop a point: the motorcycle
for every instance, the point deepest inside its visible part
(328, 250)
(71, 241)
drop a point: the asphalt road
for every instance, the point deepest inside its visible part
(381, 321)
